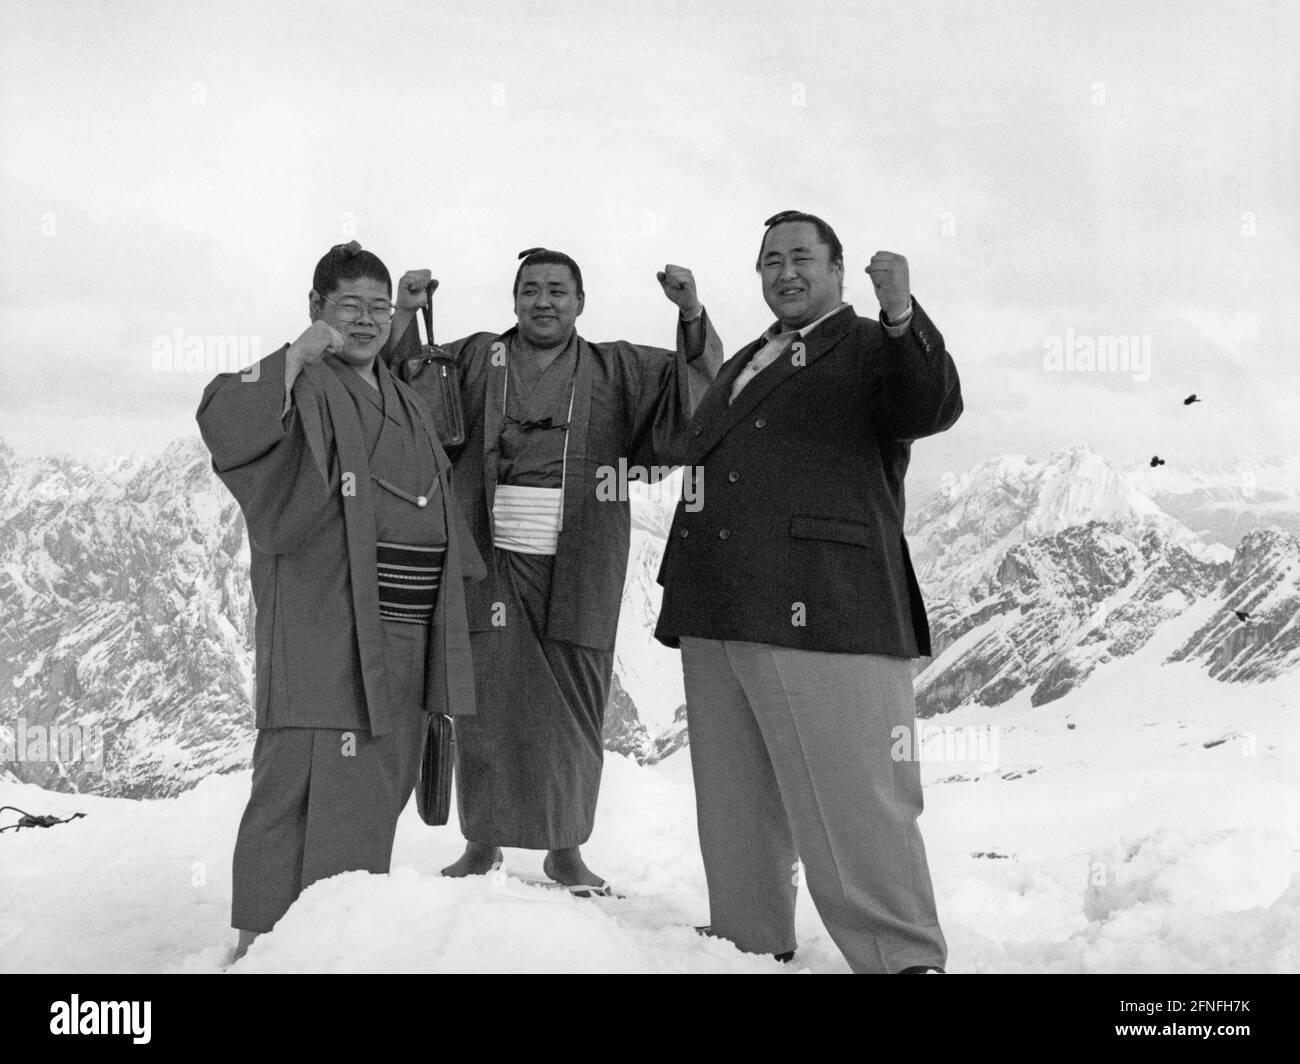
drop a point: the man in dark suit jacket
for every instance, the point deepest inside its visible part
(794, 602)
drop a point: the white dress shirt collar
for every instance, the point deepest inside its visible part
(776, 329)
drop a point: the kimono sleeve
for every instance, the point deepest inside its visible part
(397, 349)
(672, 383)
(265, 459)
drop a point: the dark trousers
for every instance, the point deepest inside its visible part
(326, 801)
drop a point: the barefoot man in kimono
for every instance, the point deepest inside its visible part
(548, 418)
(358, 553)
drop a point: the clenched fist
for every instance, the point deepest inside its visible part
(414, 289)
(318, 340)
(678, 284)
(888, 272)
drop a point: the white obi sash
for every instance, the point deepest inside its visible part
(527, 520)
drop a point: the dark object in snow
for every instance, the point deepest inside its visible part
(1071, 726)
(29, 820)
(1242, 615)
(1156, 460)
(1192, 399)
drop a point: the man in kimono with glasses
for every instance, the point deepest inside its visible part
(548, 415)
(358, 554)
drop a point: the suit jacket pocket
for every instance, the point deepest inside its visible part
(837, 529)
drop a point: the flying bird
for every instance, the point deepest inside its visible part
(1192, 399)
(1242, 615)
(1156, 460)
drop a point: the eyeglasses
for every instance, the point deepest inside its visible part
(351, 310)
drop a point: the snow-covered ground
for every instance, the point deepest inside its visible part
(1161, 833)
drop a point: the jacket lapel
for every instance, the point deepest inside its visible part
(575, 455)
(713, 407)
(494, 415)
(716, 418)
(359, 526)
(471, 563)
(449, 669)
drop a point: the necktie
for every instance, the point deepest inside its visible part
(762, 358)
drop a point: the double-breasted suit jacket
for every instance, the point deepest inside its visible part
(799, 540)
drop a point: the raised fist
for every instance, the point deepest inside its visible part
(888, 273)
(413, 289)
(318, 340)
(678, 284)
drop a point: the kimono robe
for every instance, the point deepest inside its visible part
(343, 690)
(543, 626)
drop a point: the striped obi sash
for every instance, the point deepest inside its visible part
(408, 581)
(527, 520)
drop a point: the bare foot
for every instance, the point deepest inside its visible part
(478, 860)
(567, 868)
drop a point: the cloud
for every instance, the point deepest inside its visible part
(196, 164)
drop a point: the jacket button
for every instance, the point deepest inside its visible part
(698, 430)
(733, 476)
(684, 533)
(760, 423)
(723, 534)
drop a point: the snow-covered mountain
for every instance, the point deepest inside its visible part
(959, 535)
(649, 671)
(125, 605)
(125, 614)
(1224, 501)
(1257, 635)
(1035, 573)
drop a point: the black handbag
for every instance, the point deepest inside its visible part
(433, 792)
(432, 373)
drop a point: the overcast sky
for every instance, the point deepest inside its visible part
(1071, 170)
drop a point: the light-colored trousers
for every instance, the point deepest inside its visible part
(790, 751)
